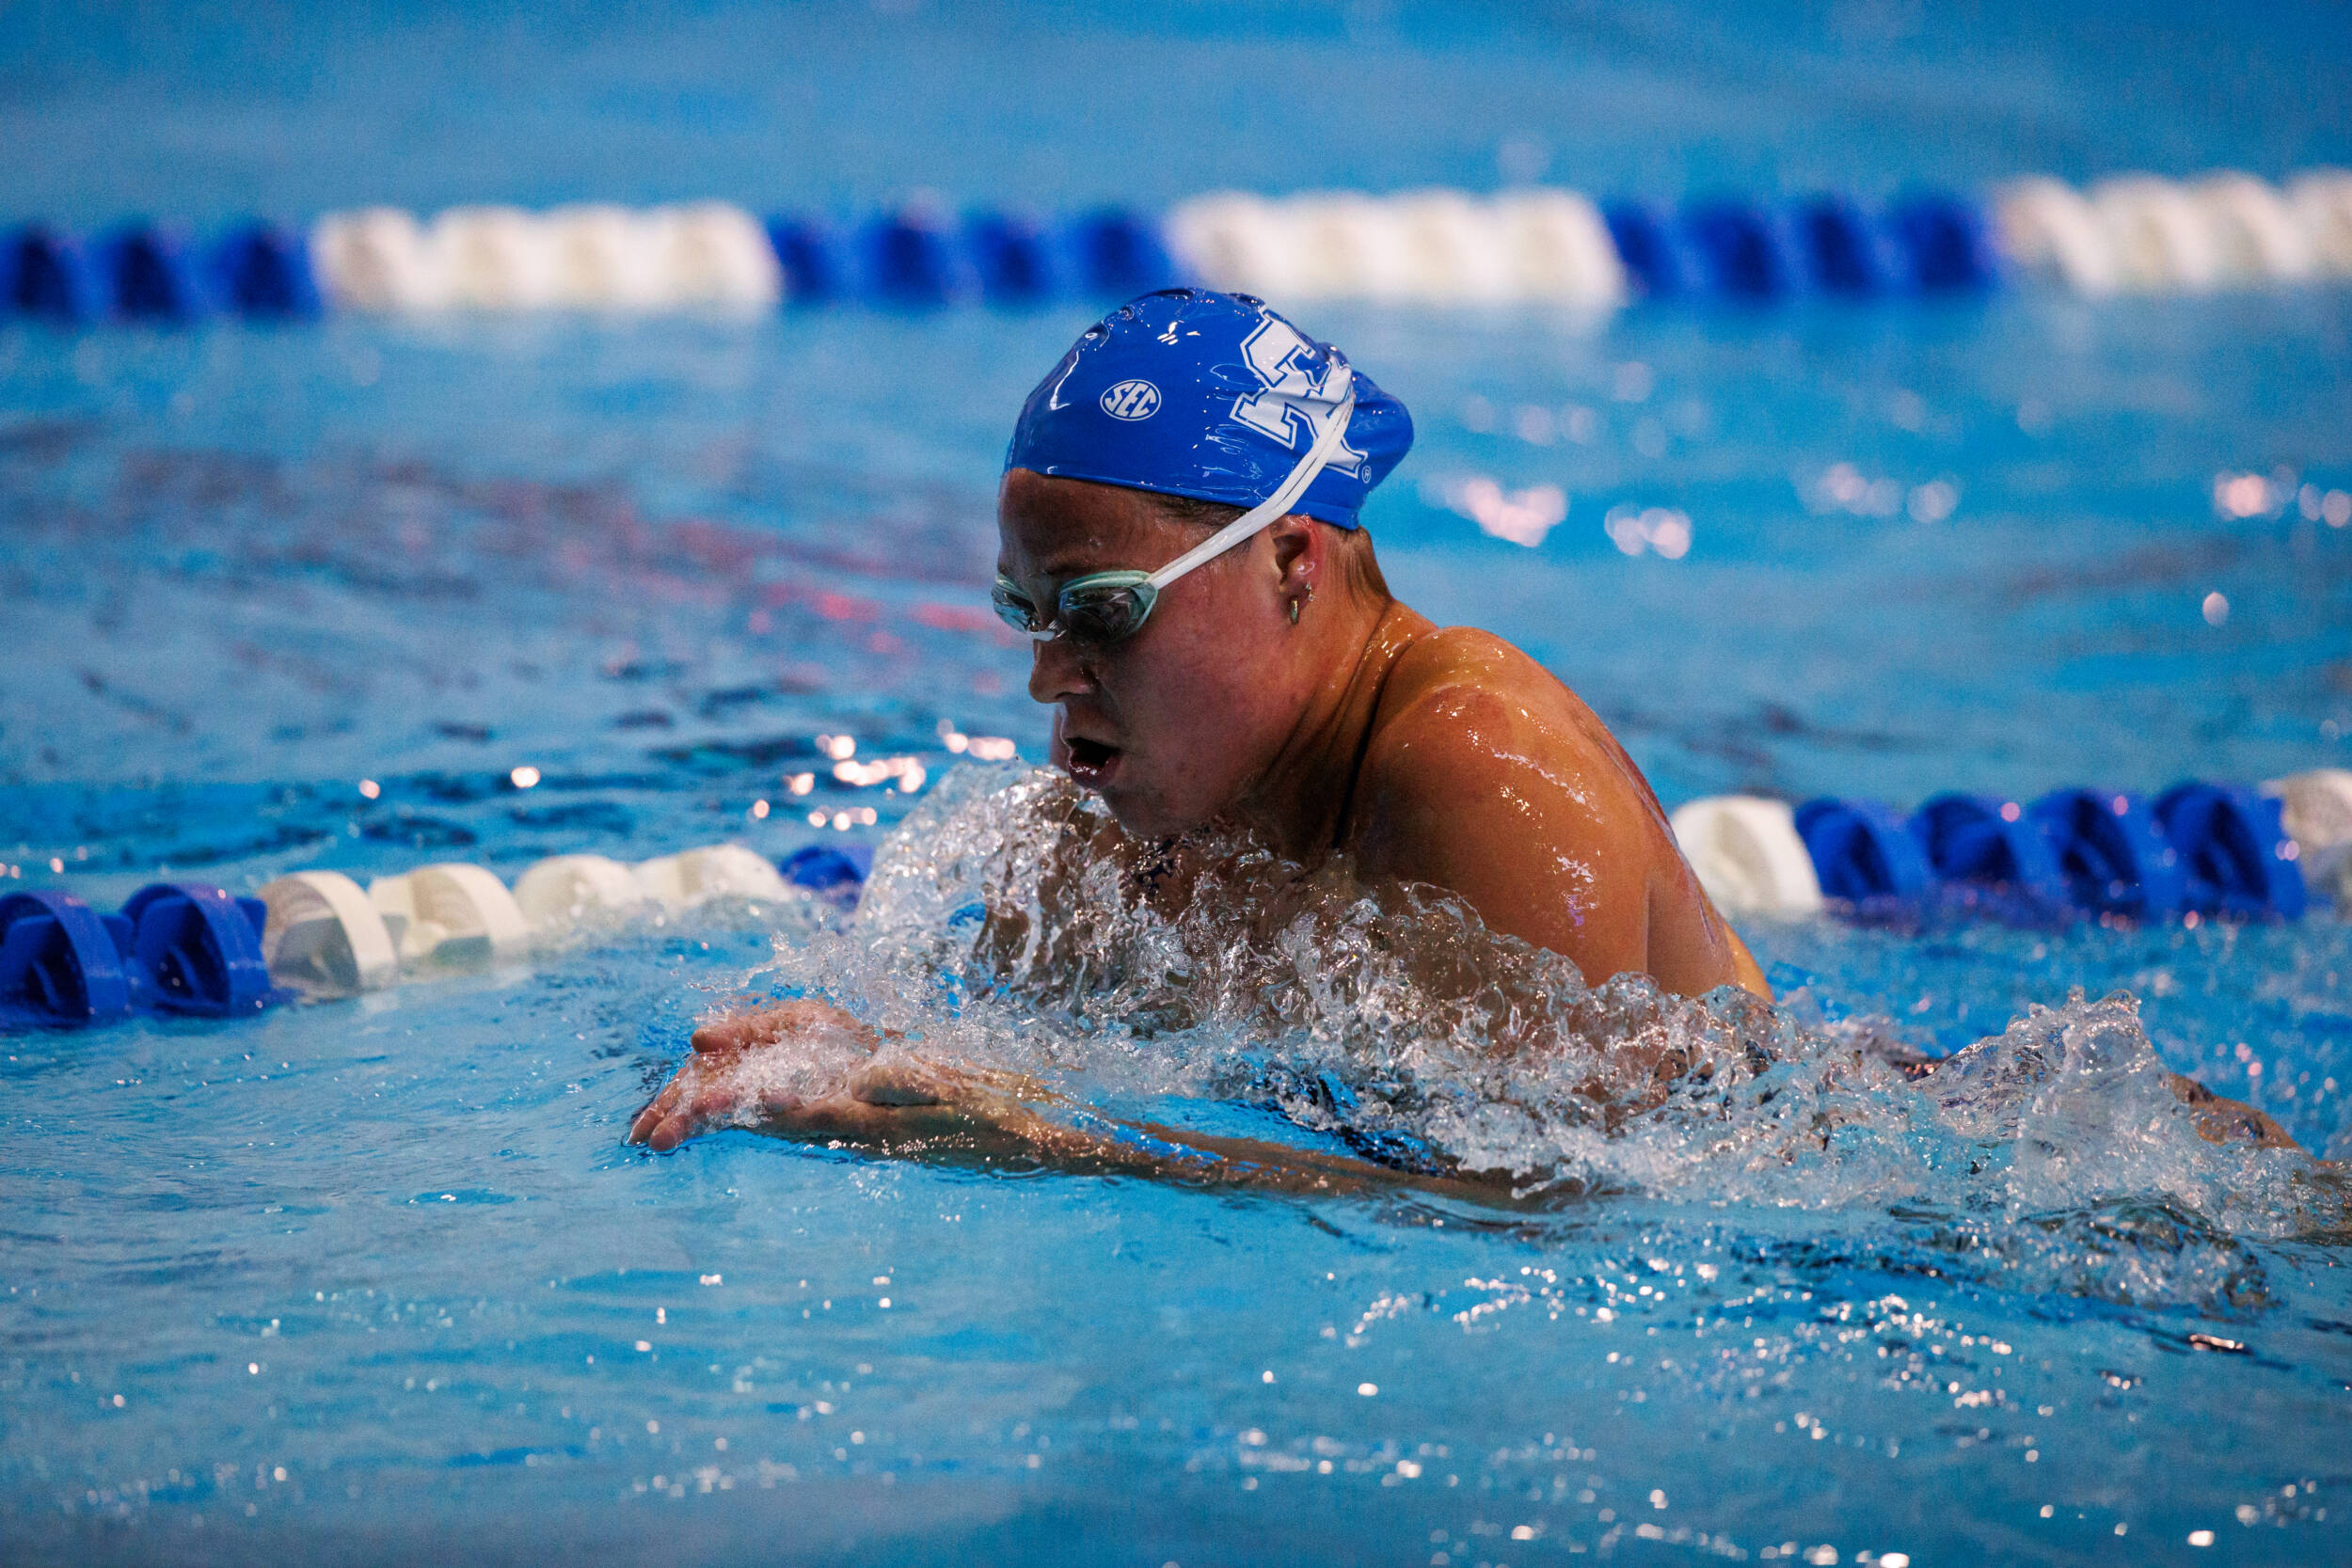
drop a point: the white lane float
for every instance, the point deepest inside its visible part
(1430, 246)
(589, 257)
(450, 913)
(605, 258)
(377, 259)
(1559, 248)
(708, 254)
(2258, 234)
(1236, 241)
(316, 934)
(1456, 249)
(1345, 245)
(715, 254)
(2321, 198)
(695, 877)
(564, 892)
(2159, 236)
(325, 938)
(497, 258)
(1746, 853)
(2144, 234)
(2045, 228)
(2316, 810)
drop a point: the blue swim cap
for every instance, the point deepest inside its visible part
(1190, 393)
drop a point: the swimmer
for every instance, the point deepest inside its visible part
(1179, 533)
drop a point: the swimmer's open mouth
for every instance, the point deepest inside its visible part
(1090, 761)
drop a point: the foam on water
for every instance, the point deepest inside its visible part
(1009, 924)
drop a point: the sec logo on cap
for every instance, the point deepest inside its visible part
(1132, 400)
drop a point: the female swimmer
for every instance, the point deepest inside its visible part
(1179, 532)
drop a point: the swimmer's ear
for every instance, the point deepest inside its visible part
(1297, 552)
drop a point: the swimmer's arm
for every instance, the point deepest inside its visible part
(955, 1115)
(984, 1129)
(1748, 974)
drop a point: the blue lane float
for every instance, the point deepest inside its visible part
(915, 259)
(1845, 250)
(264, 269)
(919, 258)
(46, 275)
(1014, 259)
(1116, 254)
(2113, 853)
(1863, 852)
(176, 948)
(1944, 243)
(1991, 846)
(1744, 254)
(153, 274)
(2235, 856)
(2198, 849)
(838, 873)
(60, 963)
(1650, 248)
(816, 271)
(196, 949)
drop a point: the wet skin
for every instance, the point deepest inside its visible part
(1428, 755)
(1444, 756)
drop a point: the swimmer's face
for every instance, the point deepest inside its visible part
(1172, 726)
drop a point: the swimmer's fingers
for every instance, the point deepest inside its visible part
(770, 1023)
(704, 1110)
(720, 1034)
(658, 1110)
(737, 1030)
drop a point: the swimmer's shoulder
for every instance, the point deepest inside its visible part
(1479, 753)
(1457, 698)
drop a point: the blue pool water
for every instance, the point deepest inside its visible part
(378, 1282)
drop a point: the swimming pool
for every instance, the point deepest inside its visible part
(377, 1279)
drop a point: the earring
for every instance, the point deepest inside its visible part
(1293, 612)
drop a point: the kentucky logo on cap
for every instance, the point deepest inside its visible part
(1213, 396)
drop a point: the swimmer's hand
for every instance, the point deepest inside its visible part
(2219, 1119)
(749, 1069)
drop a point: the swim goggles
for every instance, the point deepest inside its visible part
(1103, 607)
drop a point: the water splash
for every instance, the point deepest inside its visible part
(1010, 921)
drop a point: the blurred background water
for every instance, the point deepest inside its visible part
(379, 1281)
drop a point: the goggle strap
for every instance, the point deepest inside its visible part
(1275, 505)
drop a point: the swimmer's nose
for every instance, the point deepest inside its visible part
(1056, 673)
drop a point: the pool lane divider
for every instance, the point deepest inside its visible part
(1539, 246)
(2198, 849)
(192, 949)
